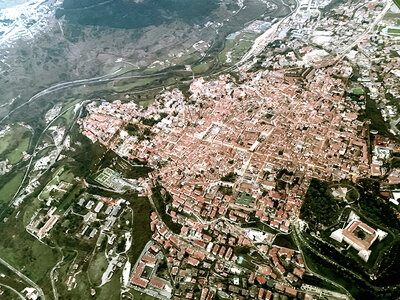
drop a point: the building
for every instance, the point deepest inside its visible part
(358, 235)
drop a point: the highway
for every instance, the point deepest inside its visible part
(99, 79)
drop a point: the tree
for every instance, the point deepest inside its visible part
(230, 177)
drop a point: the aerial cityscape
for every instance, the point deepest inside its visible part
(200, 149)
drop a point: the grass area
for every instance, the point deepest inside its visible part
(141, 296)
(223, 55)
(125, 69)
(285, 240)
(393, 30)
(61, 180)
(358, 91)
(141, 226)
(68, 116)
(319, 266)
(127, 86)
(97, 267)
(70, 197)
(235, 48)
(316, 281)
(202, 68)
(30, 210)
(25, 253)
(244, 199)
(10, 279)
(14, 142)
(81, 291)
(111, 290)
(358, 288)
(146, 103)
(17, 154)
(247, 262)
(9, 189)
(161, 202)
(377, 249)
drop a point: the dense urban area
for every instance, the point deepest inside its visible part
(277, 177)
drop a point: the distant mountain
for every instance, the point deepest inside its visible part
(135, 13)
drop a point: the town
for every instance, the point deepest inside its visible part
(278, 179)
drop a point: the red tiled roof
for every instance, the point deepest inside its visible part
(192, 261)
(157, 282)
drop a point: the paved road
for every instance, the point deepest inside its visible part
(296, 236)
(14, 290)
(367, 32)
(53, 285)
(22, 276)
(100, 79)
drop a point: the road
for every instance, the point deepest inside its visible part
(262, 41)
(298, 244)
(22, 276)
(367, 32)
(114, 76)
(298, 237)
(60, 86)
(53, 285)
(14, 290)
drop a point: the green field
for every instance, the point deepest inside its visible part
(141, 226)
(394, 30)
(111, 290)
(97, 267)
(358, 91)
(14, 142)
(10, 279)
(285, 240)
(81, 291)
(202, 68)
(141, 296)
(25, 253)
(127, 86)
(9, 189)
(236, 47)
(244, 199)
(69, 115)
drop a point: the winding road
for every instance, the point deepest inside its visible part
(296, 237)
(14, 290)
(22, 276)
